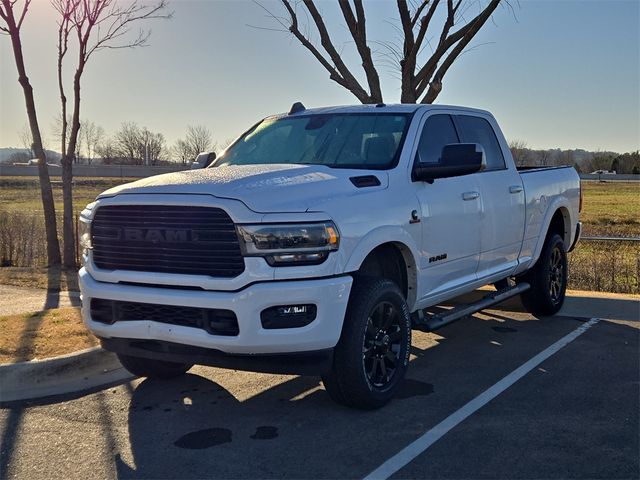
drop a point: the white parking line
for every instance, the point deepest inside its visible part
(411, 451)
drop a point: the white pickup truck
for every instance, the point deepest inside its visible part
(315, 242)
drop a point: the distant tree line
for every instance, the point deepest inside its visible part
(583, 161)
(135, 145)
(131, 144)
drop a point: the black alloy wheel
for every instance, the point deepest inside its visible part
(547, 278)
(556, 273)
(382, 344)
(372, 355)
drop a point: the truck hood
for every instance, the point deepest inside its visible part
(278, 188)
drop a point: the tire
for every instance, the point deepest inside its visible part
(372, 355)
(548, 279)
(159, 369)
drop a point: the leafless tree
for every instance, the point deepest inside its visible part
(106, 150)
(26, 140)
(181, 152)
(421, 75)
(11, 20)
(126, 142)
(138, 145)
(95, 25)
(91, 135)
(199, 139)
(150, 146)
(544, 157)
(520, 153)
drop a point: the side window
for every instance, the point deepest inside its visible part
(478, 130)
(438, 131)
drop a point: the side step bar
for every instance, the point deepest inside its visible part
(430, 322)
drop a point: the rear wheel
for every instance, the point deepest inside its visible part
(372, 355)
(146, 367)
(548, 279)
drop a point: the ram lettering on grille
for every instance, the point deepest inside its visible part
(171, 239)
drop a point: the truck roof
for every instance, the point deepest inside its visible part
(386, 108)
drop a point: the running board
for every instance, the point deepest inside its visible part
(430, 322)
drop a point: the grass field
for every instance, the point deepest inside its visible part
(22, 194)
(609, 209)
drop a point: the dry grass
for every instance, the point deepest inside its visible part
(40, 277)
(22, 194)
(611, 209)
(43, 335)
(605, 267)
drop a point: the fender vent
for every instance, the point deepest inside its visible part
(364, 181)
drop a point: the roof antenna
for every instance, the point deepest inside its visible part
(297, 107)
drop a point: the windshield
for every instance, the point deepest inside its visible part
(369, 141)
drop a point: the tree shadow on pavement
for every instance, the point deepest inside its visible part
(25, 342)
(192, 427)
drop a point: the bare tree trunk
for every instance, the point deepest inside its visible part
(46, 193)
(68, 231)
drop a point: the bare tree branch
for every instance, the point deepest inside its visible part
(357, 27)
(334, 73)
(470, 30)
(418, 19)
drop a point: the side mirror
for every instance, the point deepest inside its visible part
(456, 159)
(203, 160)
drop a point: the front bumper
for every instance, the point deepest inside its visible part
(330, 295)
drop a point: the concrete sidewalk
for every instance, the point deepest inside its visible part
(16, 300)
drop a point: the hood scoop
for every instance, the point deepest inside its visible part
(364, 181)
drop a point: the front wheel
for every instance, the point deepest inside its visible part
(372, 355)
(146, 367)
(548, 279)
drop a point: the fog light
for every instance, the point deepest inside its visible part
(288, 316)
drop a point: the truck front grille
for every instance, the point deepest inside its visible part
(168, 239)
(214, 321)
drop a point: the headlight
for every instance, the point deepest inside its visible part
(84, 233)
(289, 244)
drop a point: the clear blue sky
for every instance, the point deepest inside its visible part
(558, 73)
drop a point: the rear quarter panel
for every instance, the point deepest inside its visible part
(547, 191)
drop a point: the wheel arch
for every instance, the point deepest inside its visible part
(558, 220)
(392, 258)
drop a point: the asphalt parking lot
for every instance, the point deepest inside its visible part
(574, 415)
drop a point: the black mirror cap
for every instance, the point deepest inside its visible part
(211, 157)
(457, 159)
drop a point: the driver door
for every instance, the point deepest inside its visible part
(450, 216)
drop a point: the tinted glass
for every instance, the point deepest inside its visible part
(335, 140)
(438, 131)
(478, 130)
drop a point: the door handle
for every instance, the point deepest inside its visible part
(470, 195)
(515, 189)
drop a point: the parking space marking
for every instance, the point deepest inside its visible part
(411, 451)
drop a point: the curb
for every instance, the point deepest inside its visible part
(70, 373)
